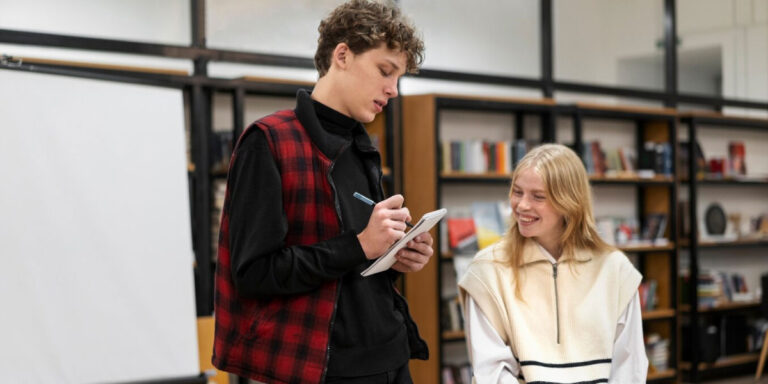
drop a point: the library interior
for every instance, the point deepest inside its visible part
(112, 248)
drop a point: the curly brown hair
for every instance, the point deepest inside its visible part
(363, 25)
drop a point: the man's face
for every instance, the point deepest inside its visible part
(369, 81)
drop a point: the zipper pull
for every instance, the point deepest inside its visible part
(554, 270)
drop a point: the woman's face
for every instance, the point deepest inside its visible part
(533, 210)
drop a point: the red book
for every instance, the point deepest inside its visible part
(459, 228)
(736, 155)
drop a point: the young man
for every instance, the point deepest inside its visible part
(291, 306)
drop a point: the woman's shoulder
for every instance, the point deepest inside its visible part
(618, 262)
(493, 253)
(489, 259)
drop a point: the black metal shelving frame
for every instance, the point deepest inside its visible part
(694, 123)
(548, 114)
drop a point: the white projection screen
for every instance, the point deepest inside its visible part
(96, 281)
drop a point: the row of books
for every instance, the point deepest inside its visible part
(657, 350)
(471, 229)
(654, 159)
(723, 336)
(649, 299)
(457, 374)
(733, 166)
(626, 231)
(482, 156)
(715, 288)
(452, 317)
(220, 150)
(599, 161)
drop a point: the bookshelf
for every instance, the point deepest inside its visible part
(425, 186)
(629, 129)
(729, 255)
(426, 125)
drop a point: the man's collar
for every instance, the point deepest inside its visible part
(329, 144)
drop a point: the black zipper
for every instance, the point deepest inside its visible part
(338, 283)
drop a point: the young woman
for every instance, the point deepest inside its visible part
(551, 302)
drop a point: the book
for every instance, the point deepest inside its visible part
(489, 224)
(655, 226)
(462, 237)
(387, 260)
(737, 158)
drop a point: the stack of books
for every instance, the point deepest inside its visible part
(657, 350)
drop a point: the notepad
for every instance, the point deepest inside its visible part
(388, 259)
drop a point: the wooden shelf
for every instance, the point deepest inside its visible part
(494, 99)
(103, 66)
(589, 107)
(668, 374)
(492, 177)
(723, 362)
(272, 80)
(631, 179)
(709, 117)
(453, 335)
(648, 248)
(729, 181)
(729, 244)
(462, 177)
(732, 306)
(657, 314)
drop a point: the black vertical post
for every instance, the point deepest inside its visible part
(201, 128)
(578, 139)
(238, 113)
(673, 231)
(397, 155)
(202, 203)
(198, 34)
(546, 49)
(519, 126)
(670, 53)
(548, 127)
(693, 250)
(391, 112)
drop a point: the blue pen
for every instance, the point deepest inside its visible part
(372, 203)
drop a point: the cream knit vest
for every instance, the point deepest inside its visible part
(581, 307)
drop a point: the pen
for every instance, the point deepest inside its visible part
(372, 203)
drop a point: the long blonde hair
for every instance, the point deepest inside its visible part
(567, 187)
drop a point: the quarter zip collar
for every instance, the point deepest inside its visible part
(534, 252)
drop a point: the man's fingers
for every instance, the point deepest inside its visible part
(420, 248)
(393, 202)
(401, 214)
(396, 224)
(424, 238)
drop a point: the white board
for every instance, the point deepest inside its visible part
(96, 276)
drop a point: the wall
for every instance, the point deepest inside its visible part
(596, 41)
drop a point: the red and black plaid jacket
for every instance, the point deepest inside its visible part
(281, 339)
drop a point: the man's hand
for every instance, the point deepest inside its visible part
(385, 227)
(415, 255)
